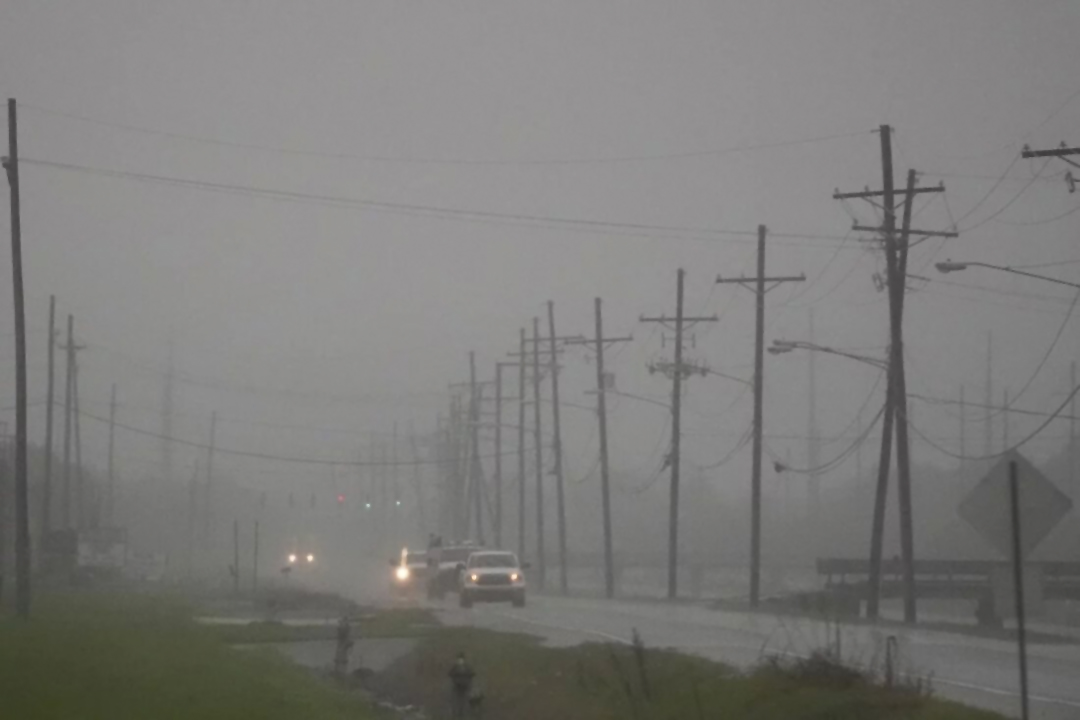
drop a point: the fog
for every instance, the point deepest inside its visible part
(313, 212)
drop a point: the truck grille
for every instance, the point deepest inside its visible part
(493, 580)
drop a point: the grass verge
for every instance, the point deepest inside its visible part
(524, 680)
(397, 623)
(113, 657)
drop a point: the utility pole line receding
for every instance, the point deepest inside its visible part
(476, 475)
(760, 290)
(541, 560)
(677, 371)
(605, 489)
(963, 428)
(813, 443)
(557, 450)
(65, 490)
(50, 398)
(80, 476)
(22, 487)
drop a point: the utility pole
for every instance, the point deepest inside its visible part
(1004, 419)
(110, 505)
(602, 383)
(896, 414)
(759, 283)
(191, 512)
(1072, 434)
(165, 447)
(80, 477)
(521, 445)
(813, 443)
(475, 471)
(988, 429)
(541, 560)
(255, 561)
(236, 556)
(963, 428)
(677, 371)
(497, 529)
(418, 485)
(557, 448)
(208, 498)
(22, 488)
(65, 498)
(46, 488)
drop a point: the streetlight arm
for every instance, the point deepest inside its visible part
(950, 266)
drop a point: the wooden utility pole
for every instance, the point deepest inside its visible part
(521, 446)
(80, 475)
(759, 283)
(813, 442)
(110, 500)
(988, 416)
(22, 488)
(46, 487)
(208, 496)
(475, 477)
(676, 371)
(541, 560)
(1004, 420)
(191, 513)
(896, 412)
(557, 449)
(65, 498)
(236, 557)
(497, 524)
(963, 428)
(602, 383)
(1073, 454)
(255, 561)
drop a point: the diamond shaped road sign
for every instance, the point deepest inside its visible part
(1042, 505)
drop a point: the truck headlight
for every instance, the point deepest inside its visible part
(514, 577)
(402, 573)
(311, 558)
(474, 577)
(292, 558)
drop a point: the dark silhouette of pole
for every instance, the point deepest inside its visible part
(521, 446)
(557, 450)
(255, 561)
(110, 504)
(80, 475)
(676, 433)
(475, 472)
(541, 560)
(605, 490)
(759, 386)
(65, 497)
(50, 398)
(497, 524)
(236, 556)
(22, 489)
(208, 497)
(1018, 583)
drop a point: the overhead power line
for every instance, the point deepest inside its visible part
(442, 213)
(420, 160)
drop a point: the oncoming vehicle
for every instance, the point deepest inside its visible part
(491, 576)
(299, 560)
(445, 567)
(409, 571)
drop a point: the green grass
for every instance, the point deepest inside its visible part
(524, 680)
(94, 655)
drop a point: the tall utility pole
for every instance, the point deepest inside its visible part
(895, 414)
(677, 371)
(65, 498)
(208, 497)
(557, 449)
(759, 284)
(963, 428)
(1004, 419)
(602, 383)
(110, 500)
(1072, 435)
(521, 444)
(541, 560)
(22, 488)
(497, 524)
(813, 442)
(476, 475)
(80, 475)
(988, 429)
(46, 487)
(418, 485)
(165, 447)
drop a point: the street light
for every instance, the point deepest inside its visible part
(950, 266)
(780, 347)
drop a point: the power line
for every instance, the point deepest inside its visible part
(993, 456)
(442, 213)
(420, 160)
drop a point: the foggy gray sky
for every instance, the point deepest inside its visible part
(380, 308)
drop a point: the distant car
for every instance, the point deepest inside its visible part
(299, 561)
(409, 572)
(445, 566)
(492, 576)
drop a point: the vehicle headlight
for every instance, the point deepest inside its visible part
(474, 577)
(402, 573)
(292, 557)
(311, 558)
(514, 577)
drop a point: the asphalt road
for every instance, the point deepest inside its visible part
(976, 671)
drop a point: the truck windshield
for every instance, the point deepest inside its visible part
(494, 560)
